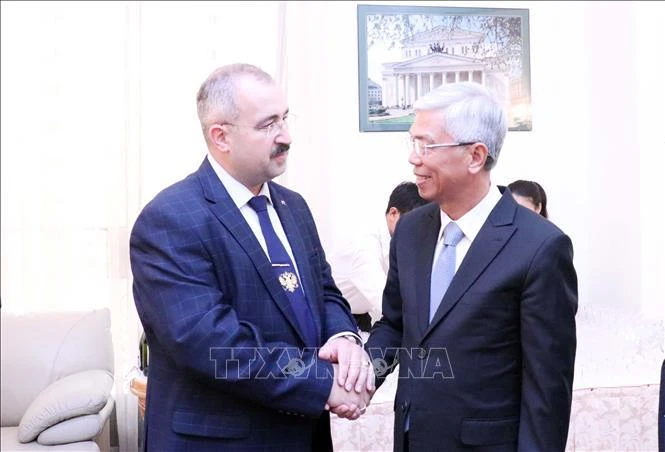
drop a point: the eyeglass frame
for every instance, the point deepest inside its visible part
(278, 125)
(415, 147)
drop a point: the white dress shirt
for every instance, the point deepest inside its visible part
(241, 196)
(360, 268)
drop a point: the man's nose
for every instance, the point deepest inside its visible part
(284, 135)
(414, 158)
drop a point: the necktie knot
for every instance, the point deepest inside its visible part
(258, 203)
(452, 234)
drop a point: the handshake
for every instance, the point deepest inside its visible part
(353, 384)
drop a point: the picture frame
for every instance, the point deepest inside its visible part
(413, 49)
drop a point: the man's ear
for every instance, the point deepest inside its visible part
(392, 217)
(478, 157)
(218, 137)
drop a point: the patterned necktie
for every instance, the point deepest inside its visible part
(285, 272)
(444, 269)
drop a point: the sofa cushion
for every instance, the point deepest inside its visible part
(80, 428)
(78, 394)
(9, 442)
(40, 348)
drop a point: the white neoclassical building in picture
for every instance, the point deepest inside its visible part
(434, 57)
(406, 81)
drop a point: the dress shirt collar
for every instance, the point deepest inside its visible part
(237, 191)
(471, 222)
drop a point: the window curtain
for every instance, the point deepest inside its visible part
(98, 115)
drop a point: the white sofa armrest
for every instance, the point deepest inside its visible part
(77, 395)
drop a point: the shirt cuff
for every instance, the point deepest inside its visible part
(349, 335)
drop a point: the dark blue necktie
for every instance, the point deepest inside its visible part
(285, 272)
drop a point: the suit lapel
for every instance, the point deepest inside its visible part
(300, 253)
(491, 238)
(223, 207)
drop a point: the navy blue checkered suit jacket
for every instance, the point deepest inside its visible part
(227, 366)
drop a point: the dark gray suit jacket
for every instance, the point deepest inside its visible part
(494, 369)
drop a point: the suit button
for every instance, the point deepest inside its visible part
(404, 405)
(422, 353)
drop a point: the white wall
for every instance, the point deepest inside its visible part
(588, 146)
(98, 114)
(597, 78)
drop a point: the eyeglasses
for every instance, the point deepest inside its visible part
(272, 129)
(422, 149)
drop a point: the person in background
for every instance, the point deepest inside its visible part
(661, 409)
(480, 300)
(235, 295)
(360, 267)
(530, 195)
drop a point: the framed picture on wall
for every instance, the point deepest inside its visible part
(406, 51)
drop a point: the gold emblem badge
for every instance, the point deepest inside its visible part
(289, 281)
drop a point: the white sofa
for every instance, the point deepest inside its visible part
(57, 381)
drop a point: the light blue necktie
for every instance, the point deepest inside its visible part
(444, 268)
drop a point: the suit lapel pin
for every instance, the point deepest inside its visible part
(283, 202)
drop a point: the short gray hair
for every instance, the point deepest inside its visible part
(471, 114)
(215, 100)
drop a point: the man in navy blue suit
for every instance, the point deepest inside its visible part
(481, 295)
(251, 342)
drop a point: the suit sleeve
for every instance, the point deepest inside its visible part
(338, 317)
(336, 310)
(386, 335)
(180, 299)
(547, 316)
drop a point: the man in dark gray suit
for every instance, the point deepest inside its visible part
(481, 295)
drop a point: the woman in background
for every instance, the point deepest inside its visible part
(530, 195)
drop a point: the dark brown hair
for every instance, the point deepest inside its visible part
(533, 191)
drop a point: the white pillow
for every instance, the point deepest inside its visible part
(74, 395)
(80, 428)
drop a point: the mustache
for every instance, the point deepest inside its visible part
(279, 149)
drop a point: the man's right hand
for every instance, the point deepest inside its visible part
(347, 404)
